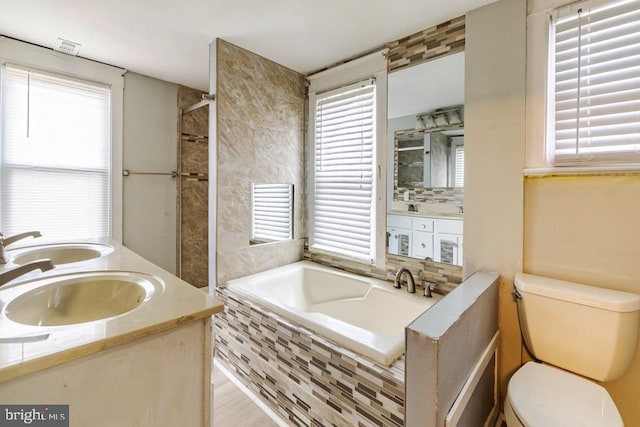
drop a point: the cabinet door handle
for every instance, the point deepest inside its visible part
(423, 245)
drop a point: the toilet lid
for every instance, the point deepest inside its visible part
(542, 395)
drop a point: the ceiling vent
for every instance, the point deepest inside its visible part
(65, 46)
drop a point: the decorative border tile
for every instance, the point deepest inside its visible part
(451, 195)
(307, 379)
(434, 42)
(445, 276)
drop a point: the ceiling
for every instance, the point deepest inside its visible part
(169, 39)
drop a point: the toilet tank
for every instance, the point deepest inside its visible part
(584, 329)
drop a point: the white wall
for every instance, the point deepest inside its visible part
(494, 155)
(150, 145)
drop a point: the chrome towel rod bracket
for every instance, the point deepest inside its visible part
(172, 174)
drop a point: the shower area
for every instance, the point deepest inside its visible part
(192, 232)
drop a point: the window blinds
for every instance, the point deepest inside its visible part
(459, 166)
(596, 84)
(343, 191)
(272, 212)
(55, 155)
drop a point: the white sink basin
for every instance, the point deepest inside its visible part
(62, 253)
(77, 298)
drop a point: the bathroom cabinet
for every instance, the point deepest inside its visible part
(149, 366)
(419, 237)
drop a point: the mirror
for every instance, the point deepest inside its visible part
(271, 213)
(425, 145)
(428, 159)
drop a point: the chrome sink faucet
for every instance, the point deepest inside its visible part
(6, 241)
(42, 265)
(411, 284)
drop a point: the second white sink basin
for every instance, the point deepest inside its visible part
(62, 253)
(78, 298)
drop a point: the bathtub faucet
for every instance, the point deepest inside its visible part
(411, 284)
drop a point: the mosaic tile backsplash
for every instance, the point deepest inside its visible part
(305, 378)
(444, 276)
(434, 42)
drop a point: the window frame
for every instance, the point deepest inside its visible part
(48, 61)
(456, 144)
(261, 233)
(373, 66)
(598, 162)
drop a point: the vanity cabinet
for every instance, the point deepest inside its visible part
(399, 235)
(422, 233)
(448, 242)
(422, 238)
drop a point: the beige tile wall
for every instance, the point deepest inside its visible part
(194, 199)
(260, 119)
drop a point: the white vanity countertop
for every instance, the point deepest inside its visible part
(427, 214)
(177, 304)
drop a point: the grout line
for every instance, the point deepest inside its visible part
(267, 410)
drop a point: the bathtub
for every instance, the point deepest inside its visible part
(362, 314)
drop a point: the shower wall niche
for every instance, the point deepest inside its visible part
(193, 185)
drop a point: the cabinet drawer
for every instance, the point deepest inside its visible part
(422, 245)
(452, 226)
(422, 224)
(399, 221)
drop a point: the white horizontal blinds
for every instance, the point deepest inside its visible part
(272, 212)
(343, 194)
(597, 84)
(55, 155)
(459, 166)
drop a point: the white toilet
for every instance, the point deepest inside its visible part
(586, 330)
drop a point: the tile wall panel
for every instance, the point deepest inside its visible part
(305, 378)
(445, 276)
(194, 199)
(425, 45)
(260, 113)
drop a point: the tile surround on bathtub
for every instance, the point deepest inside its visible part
(306, 378)
(445, 276)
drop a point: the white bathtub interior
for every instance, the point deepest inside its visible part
(362, 314)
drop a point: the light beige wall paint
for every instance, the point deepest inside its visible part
(585, 229)
(578, 228)
(150, 145)
(494, 151)
(259, 137)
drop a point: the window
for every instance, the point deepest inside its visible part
(271, 212)
(594, 108)
(458, 165)
(343, 189)
(55, 155)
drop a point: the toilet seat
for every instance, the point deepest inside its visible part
(541, 395)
